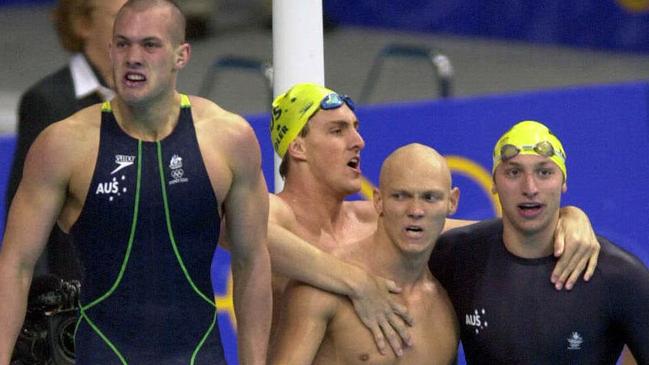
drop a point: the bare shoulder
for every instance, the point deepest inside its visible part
(217, 122)
(304, 315)
(437, 299)
(59, 162)
(70, 137)
(302, 295)
(456, 223)
(363, 210)
(229, 148)
(280, 212)
(224, 133)
(433, 287)
(433, 302)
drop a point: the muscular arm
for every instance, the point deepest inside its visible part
(246, 212)
(38, 200)
(303, 324)
(299, 260)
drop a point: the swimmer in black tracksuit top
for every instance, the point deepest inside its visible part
(144, 185)
(509, 313)
(496, 272)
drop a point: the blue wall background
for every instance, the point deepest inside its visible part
(607, 24)
(611, 24)
(605, 130)
(26, 2)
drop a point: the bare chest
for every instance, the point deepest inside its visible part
(347, 341)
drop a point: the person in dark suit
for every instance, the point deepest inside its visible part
(84, 28)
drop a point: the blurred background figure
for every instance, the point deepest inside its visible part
(84, 28)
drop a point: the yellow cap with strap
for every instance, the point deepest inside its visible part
(292, 110)
(529, 138)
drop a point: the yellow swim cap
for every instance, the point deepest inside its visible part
(293, 109)
(529, 138)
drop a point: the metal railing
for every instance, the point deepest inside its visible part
(440, 63)
(237, 63)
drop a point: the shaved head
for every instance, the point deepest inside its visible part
(177, 22)
(414, 198)
(415, 161)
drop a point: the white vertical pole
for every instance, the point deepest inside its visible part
(298, 49)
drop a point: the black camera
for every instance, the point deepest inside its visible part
(47, 336)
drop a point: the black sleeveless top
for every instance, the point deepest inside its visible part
(146, 236)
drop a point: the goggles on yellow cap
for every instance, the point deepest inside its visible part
(529, 138)
(293, 109)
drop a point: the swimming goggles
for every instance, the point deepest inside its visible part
(335, 101)
(543, 148)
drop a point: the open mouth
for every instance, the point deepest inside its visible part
(414, 229)
(354, 163)
(132, 78)
(529, 209)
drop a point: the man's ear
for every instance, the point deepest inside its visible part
(183, 54)
(297, 149)
(377, 201)
(454, 200)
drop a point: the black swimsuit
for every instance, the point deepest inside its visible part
(146, 235)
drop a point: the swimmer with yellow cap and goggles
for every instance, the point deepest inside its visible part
(293, 109)
(529, 138)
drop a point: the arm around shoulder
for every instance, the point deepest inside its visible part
(297, 259)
